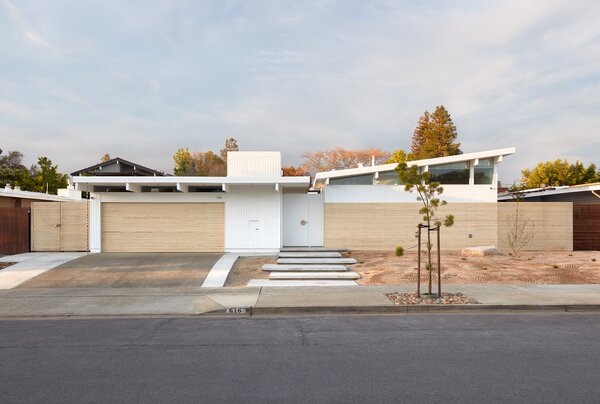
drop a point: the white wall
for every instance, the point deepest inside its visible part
(253, 164)
(396, 193)
(259, 204)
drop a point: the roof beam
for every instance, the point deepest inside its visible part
(225, 187)
(133, 187)
(183, 187)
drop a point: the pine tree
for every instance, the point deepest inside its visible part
(435, 136)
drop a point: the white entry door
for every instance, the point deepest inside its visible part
(302, 220)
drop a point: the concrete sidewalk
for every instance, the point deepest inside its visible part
(32, 264)
(285, 300)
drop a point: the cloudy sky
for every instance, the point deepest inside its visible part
(138, 79)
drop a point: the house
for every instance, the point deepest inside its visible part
(585, 201)
(118, 167)
(16, 198)
(255, 209)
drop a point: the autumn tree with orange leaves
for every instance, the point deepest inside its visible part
(339, 159)
(291, 171)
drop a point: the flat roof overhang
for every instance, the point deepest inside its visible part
(182, 184)
(498, 154)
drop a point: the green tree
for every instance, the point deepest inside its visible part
(12, 170)
(435, 136)
(44, 177)
(184, 164)
(415, 179)
(559, 173)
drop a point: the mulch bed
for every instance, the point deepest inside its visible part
(447, 298)
(6, 264)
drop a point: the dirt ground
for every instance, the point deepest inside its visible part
(577, 267)
(5, 264)
(128, 270)
(247, 268)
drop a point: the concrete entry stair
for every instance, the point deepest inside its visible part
(316, 261)
(305, 254)
(303, 267)
(314, 282)
(312, 249)
(314, 275)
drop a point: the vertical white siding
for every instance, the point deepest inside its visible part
(253, 164)
(252, 218)
(95, 223)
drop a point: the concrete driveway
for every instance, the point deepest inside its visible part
(128, 270)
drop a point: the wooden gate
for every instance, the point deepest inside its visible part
(586, 227)
(59, 226)
(14, 230)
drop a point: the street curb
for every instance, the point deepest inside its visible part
(407, 309)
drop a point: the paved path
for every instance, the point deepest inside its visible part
(218, 274)
(32, 264)
(194, 300)
(499, 358)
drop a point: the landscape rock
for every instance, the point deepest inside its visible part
(480, 251)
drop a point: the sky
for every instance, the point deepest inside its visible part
(139, 79)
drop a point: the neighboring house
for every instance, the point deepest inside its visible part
(15, 198)
(255, 209)
(118, 167)
(585, 200)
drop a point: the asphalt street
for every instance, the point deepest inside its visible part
(478, 358)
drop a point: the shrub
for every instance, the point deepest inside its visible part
(399, 251)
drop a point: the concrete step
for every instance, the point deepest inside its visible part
(270, 282)
(302, 254)
(316, 261)
(312, 249)
(314, 275)
(302, 267)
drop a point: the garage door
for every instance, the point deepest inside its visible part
(163, 227)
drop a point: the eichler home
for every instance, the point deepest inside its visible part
(255, 209)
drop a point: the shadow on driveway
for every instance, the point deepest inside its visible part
(128, 270)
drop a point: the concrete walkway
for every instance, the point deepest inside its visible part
(218, 274)
(32, 264)
(279, 300)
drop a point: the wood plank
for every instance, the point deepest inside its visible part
(74, 226)
(586, 227)
(14, 230)
(45, 226)
(163, 227)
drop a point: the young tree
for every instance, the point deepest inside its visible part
(559, 172)
(414, 179)
(105, 158)
(230, 145)
(45, 177)
(435, 136)
(519, 228)
(340, 159)
(291, 171)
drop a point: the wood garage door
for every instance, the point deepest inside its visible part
(163, 227)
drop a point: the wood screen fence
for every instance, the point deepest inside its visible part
(14, 230)
(586, 227)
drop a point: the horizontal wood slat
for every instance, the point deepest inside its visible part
(74, 226)
(586, 227)
(45, 226)
(163, 227)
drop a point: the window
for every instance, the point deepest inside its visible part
(484, 172)
(158, 188)
(356, 180)
(453, 173)
(388, 178)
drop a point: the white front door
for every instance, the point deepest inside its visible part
(302, 220)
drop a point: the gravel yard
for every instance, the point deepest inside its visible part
(577, 267)
(247, 268)
(447, 298)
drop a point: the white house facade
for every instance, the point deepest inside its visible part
(255, 209)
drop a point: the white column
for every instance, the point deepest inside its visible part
(95, 231)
